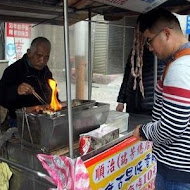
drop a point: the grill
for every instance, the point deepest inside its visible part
(47, 132)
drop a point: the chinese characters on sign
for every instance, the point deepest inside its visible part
(132, 172)
(17, 40)
(132, 168)
(19, 30)
(120, 160)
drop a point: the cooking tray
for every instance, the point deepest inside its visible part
(50, 132)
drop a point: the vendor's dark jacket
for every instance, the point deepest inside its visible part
(133, 98)
(20, 72)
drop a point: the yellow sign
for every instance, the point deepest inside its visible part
(128, 165)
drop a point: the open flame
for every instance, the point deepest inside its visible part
(54, 105)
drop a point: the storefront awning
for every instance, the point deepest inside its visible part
(51, 11)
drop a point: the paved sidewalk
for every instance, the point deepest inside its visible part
(106, 93)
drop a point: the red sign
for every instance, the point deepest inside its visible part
(20, 30)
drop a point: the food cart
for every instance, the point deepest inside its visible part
(123, 163)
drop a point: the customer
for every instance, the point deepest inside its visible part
(28, 74)
(133, 98)
(137, 88)
(170, 127)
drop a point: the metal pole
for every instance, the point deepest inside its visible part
(89, 57)
(124, 41)
(45, 178)
(68, 76)
(155, 71)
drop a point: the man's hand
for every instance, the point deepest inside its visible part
(137, 134)
(25, 89)
(120, 107)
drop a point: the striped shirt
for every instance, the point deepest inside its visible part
(170, 126)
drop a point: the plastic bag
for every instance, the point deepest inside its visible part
(67, 173)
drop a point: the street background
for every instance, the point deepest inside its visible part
(106, 93)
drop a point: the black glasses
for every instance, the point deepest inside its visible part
(150, 40)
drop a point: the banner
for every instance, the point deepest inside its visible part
(17, 40)
(128, 165)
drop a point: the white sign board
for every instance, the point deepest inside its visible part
(141, 6)
(17, 40)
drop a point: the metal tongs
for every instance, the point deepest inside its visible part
(39, 97)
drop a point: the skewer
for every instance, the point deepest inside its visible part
(39, 97)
